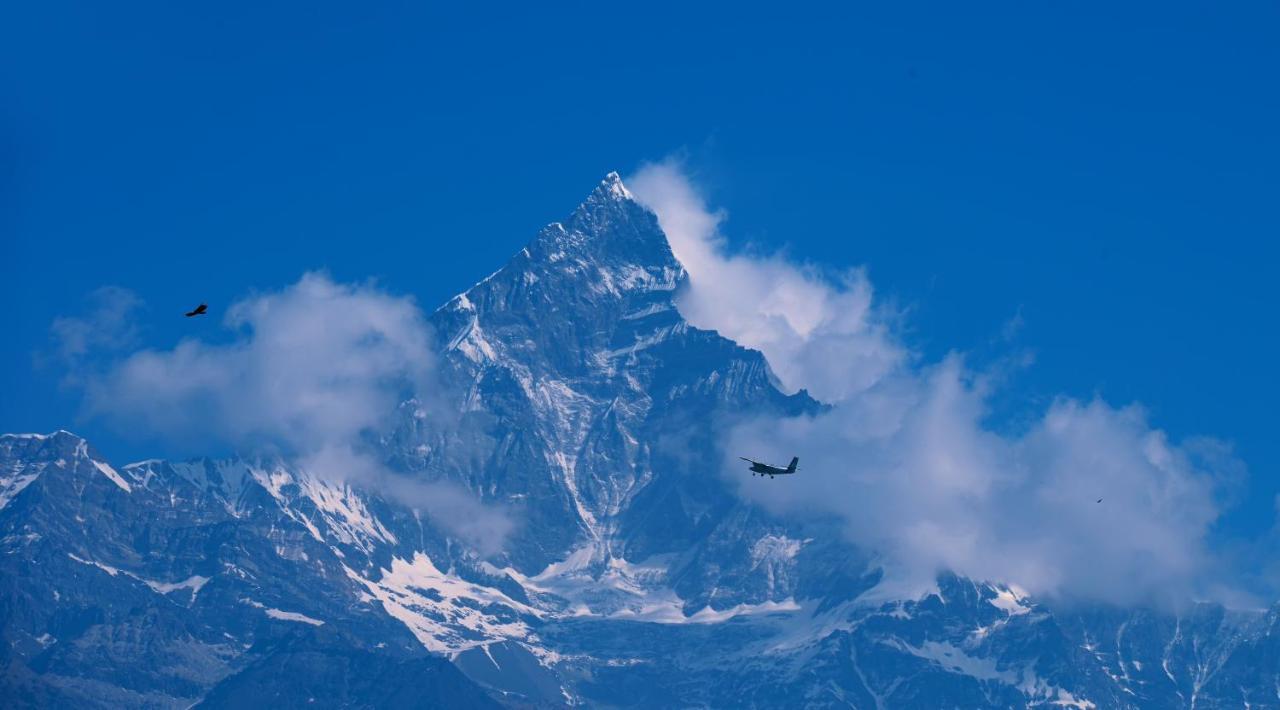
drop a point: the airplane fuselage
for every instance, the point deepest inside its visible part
(770, 470)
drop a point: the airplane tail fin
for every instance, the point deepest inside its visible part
(795, 461)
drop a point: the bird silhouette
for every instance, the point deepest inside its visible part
(1099, 500)
(199, 311)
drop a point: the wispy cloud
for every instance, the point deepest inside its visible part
(904, 455)
(110, 324)
(316, 363)
(309, 373)
(819, 333)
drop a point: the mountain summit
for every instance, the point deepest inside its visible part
(609, 223)
(575, 401)
(608, 261)
(578, 339)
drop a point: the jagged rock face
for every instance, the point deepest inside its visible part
(572, 393)
(147, 585)
(591, 403)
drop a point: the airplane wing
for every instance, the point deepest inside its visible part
(744, 458)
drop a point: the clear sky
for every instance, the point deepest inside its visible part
(1106, 176)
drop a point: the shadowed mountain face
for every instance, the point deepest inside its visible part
(308, 670)
(573, 397)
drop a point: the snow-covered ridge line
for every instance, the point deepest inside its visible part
(20, 474)
(40, 437)
(82, 451)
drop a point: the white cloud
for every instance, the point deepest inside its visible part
(316, 363)
(452, 507)
(817, 333)
(904, 458)
(110, 324)
(311, 370)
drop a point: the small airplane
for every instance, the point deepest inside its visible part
(765, 469)
(199, 311)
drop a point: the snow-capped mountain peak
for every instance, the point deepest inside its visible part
(575, 401)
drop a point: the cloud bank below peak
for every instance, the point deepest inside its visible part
(315, 363)
(906, 458)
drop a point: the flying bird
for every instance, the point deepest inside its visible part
(199, 311)
(1099, 500)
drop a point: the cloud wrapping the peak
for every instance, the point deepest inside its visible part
(816, 333)
(906, 459)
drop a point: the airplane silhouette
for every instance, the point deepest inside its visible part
(764, 469)
(199, 311)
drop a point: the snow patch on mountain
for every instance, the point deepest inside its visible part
(590, 582)
(292, 616)
(774, 555)
(82, 451)
(115, 477)
(1009, 600)
(471, 340)
(194, 583)
(446, 613)
(955, 660)
(17, 477)
(112, 571)
(346, 515)
(670, 611)
(224, 479)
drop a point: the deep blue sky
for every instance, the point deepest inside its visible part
(1109, 173)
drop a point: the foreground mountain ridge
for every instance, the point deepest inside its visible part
(576, 400)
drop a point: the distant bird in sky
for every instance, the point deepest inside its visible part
(1099, 500)
(199, 311)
